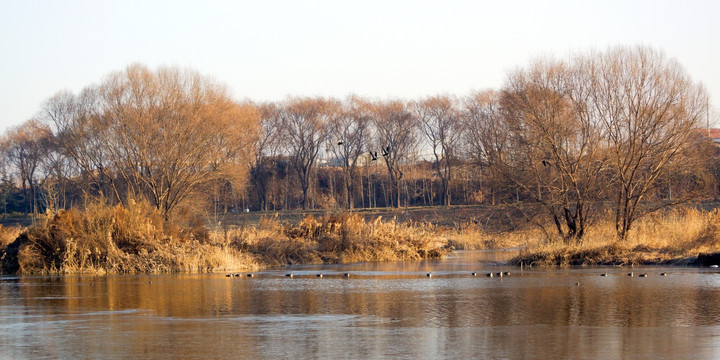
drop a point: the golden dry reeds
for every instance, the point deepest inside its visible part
(675, 236)
(8, 234)
(135, 239)
(340, 239)
(114, 239)
(471, 236)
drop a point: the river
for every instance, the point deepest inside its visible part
(381, 310)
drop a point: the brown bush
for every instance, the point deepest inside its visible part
(115, 239)
(340, 239)
(674, 236)
(8, 235)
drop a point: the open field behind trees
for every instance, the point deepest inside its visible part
(599, 140)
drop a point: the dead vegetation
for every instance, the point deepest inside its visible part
(136, 239)
(339, 239)
(8, 235)
(115, 239)
(675, 236)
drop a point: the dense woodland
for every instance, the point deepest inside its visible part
(616, 132)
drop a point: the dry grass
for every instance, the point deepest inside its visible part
(675, 236)
(114, 239)
(470, 236)
(8, 235)
(105, 239)
(339, 239)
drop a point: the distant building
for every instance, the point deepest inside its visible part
(713, 134)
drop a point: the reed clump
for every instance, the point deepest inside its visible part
(341, 238)
(471, 236)
(135, 239)
(8, 235)
(675, 236)
(114, 239)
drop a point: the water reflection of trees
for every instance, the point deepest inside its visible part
(514, 316)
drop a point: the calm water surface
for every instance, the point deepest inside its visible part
(380, 311)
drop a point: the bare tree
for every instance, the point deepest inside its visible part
(304, 128)
(440, 122)
(267, 145)
(555, 156)
(348, 135)
(649, 108)
(397, 137)
(6, 185)
(24, 148)
(163, 133)
(80, 133)
(486, 137)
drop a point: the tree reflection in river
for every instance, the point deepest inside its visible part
(382, 310)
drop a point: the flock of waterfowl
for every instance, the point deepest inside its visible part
(430, 274)
(633, 274)
(347, 275)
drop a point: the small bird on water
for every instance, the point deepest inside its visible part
(289, 275)
(428, 274)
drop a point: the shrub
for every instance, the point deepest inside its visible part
(115, 239)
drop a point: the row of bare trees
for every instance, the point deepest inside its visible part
(604, 130)
(139, 134)
(598, 128)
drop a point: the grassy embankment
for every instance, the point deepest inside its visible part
(675, 236)
(106, 239)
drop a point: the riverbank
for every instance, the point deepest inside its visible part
(113, 240)
(136, 239)
(673, 237)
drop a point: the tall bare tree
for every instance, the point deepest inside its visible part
(397, 139)
(25, 148)
(348, 136)
(304, 128)
(267, 146)
(80, 133)
(486, 137)
(439, 120)
(162, 132)
(649, 108)
(556, 156)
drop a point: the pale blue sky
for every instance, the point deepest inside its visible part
(266, 50)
